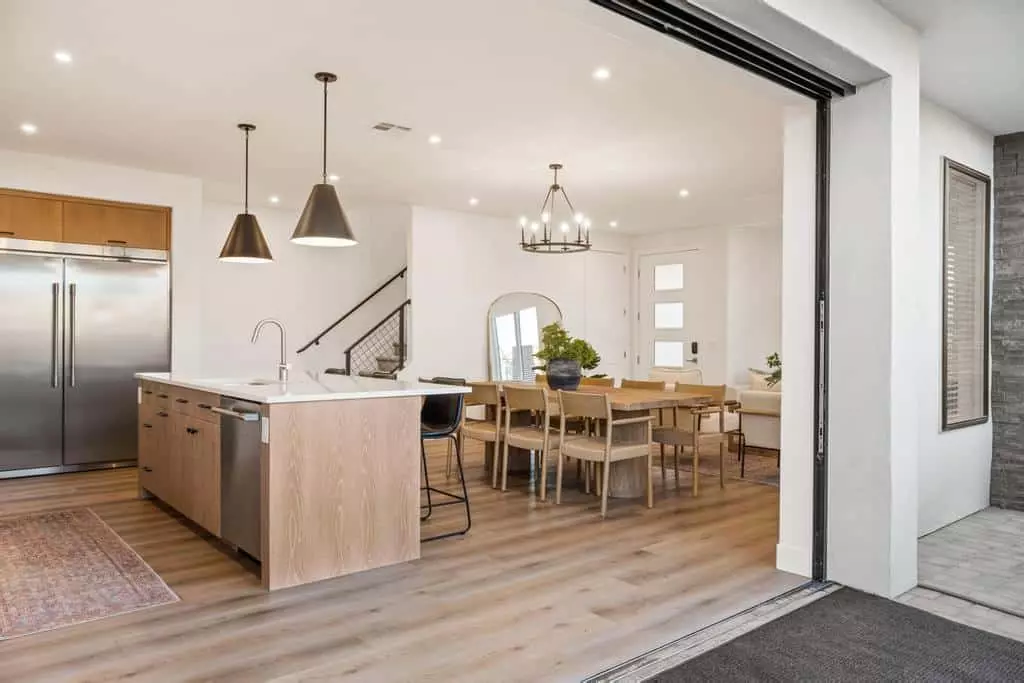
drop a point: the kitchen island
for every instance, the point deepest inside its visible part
(336, 486)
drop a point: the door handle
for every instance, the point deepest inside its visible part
(244, 417)
(55, 341)
(72, 293)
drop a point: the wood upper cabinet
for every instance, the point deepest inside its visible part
(111, 224)
(30, 218)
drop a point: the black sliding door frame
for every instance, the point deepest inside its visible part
(698, 28)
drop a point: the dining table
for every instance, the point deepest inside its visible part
(627, 478)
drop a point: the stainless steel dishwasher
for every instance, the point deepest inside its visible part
(240, 474)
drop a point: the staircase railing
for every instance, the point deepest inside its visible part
(382, 351)
(316, 340)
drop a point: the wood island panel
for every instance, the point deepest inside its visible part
(340, 488)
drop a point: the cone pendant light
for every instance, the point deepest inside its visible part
(323, 223)
(245, 242)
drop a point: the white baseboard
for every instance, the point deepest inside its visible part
(793, 559)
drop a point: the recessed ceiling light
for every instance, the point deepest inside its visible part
(62, 57)
(684, 193)
(334, 177)
(29, 128)
(434, 139)
(274, 199)
(613, 224)
(601, 74)
(473, 201)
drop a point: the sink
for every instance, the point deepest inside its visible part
(260, 383)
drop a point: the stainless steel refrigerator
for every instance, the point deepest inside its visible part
(76, 323)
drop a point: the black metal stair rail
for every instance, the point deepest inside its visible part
(316, 340)
(390, 331)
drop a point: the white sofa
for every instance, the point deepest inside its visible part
(761, 413)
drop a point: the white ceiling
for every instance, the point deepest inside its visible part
(971, 57)
(506, 83)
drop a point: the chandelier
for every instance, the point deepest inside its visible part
(551, 235)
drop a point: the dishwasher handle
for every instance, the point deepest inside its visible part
(244, 417)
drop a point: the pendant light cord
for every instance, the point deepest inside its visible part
(246, 201)
(325, 133)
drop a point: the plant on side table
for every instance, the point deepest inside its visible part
(565, 357)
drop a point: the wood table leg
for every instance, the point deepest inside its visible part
(628, 478)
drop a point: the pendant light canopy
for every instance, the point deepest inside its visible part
(245, 242)
(323, 222)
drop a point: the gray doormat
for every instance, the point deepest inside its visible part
(852, 636)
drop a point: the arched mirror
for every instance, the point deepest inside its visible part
(513, 333)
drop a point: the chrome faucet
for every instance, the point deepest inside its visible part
(282, 367)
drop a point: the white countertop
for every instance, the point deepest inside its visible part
(302, 387)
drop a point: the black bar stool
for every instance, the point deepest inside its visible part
(440, 418)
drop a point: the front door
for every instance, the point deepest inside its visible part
(673, 297)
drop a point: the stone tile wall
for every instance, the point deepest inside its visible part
(1008, 324)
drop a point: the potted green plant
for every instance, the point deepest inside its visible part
(775, 365)
(565, 357)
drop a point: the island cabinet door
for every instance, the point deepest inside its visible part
(202, 475)
(148, 445)
(155, 464)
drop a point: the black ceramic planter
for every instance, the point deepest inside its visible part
(564, 374)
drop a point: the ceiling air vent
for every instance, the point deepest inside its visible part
(389, 127)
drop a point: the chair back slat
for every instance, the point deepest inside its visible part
(646, 384)
(715, 391)
(597, 381)
(484, 394)
(580, 404)
(526, 398)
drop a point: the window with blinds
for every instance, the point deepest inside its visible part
(965, 321)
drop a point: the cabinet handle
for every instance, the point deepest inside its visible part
(162, 414)
(191, 430)
(163, 395)
(121, 242)
(147, 469)
(147, 426)
(7, 233)
(181, 400)
(147, 391)
(204, 406)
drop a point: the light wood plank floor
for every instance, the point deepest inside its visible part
(536, 592)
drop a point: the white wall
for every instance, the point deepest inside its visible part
(305, 287)
(459, 263)
(954, 468)
(743, 290)
(796, 481)
(754, 300)
(215, 305)
(59, 175)
(875, 388)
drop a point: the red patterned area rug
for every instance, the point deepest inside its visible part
(68, 567)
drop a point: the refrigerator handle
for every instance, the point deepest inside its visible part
(72, 292)
(55, 340)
